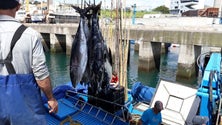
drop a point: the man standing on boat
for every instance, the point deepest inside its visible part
(23, 71)
(152, 116)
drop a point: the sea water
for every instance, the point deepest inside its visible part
(58, 64)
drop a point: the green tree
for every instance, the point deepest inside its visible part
(36, 2)
(162, 9)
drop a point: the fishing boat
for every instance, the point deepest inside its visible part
(181, 103)
(87, 99)
(74, 108)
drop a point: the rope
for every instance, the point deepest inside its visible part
(71, 121)
(135, 119)
(93, 98)
(198, 60)
(123, 108)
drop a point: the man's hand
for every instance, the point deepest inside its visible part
(45, 86)
(53, 106)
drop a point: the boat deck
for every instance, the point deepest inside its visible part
(76, 111)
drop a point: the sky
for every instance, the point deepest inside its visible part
(140, 3)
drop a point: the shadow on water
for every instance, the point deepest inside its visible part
(145, 77)
(149, 78)
(168, 70)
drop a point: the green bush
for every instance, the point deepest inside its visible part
(139, 14)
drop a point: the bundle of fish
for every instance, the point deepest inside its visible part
(91, 60)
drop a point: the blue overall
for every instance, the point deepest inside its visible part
(20, 97)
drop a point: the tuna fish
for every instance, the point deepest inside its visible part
(79, 51)
(90, 61)
(97, 64)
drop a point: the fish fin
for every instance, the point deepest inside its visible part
(78, 9)
(110, 57)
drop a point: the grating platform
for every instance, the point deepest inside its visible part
(74, 110)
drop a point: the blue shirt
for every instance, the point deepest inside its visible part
(150, 118)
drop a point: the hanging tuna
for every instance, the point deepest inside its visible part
(79, 51)
(90, 58)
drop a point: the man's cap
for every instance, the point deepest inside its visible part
(19, 1)
(199, 120)
(158, 105)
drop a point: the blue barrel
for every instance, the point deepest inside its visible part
(142, 93)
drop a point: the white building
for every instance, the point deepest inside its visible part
(218, 4)
(180, 6)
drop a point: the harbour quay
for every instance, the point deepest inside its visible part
(194, 35)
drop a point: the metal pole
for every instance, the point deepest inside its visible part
(27, 6)
(50, 5)
(41, 8)
(220, 9)
(218, 4)
(134, 14)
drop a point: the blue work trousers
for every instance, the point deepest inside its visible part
(20, 101)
